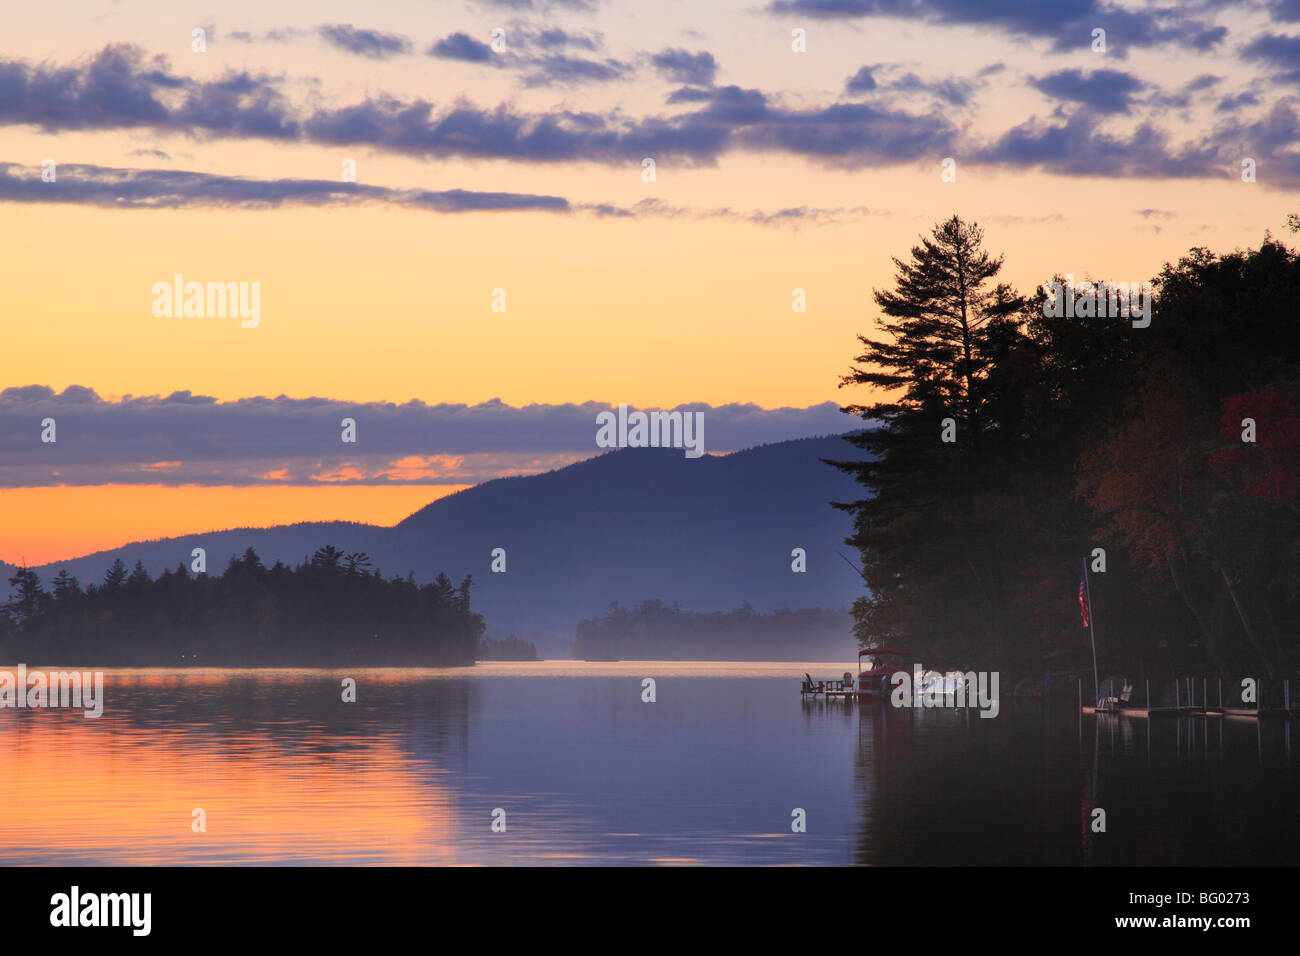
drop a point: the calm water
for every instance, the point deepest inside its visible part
(588, 773)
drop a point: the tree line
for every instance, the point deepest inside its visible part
(331, 609)
(654, 630)
(1006, 446)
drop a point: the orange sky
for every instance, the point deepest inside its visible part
(54, 523)
(383, 303)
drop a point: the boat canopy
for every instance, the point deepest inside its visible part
(879, 650)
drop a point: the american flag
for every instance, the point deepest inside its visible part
(1083, 599)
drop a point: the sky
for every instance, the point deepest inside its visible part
(796, 144)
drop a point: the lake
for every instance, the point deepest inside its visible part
(710, 773)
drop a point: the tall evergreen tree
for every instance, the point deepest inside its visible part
(928, 531)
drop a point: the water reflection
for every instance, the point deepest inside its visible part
(588, 773)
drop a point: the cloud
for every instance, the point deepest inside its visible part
(168, 439)
(689, 94)
(1069, 23)
(1279, 51)
(557, 68)
(852, 134)
(860, 82)
(368, 43)
(555, 38)
(1273, 140)
(1203, 82)
(1079, 147)
(731, 118)
(682, 66)
(884, 78)
(119, 88)
(791, 216)
(1236, 101)
(583, 6)
(547, 69)
(172, 189)
(952, 90)
(1106, 91)
(461, 46)
(117, 188)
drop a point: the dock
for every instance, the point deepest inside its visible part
(1185, 702)
(1139, 711)
(831, 689)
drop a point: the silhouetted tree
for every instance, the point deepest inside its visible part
(315, 614)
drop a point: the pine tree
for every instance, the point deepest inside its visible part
(28, 598)
(923, 529)
(939, 344)
(116, 576)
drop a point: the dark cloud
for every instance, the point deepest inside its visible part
(559, 69)
(883, 78)
(551, 68)
(171, 189)
(582, 6)
(860, 82)
(1069, 23)
(554, 38)
(689, 94)
(461, 46)
(119, 88)
(837, 9)
(1282, 52)
(465, 130)
(731, 117)
(852, 134)
(1203, 82)
(1106, 91)
(1236, 101)
(682, 66)
(169, 439)
(1272, 140)
(1078, 147)
(284, 34)
(951, 90)
(792, 216)
(1285, 10)
(368, 43)
(735, 105)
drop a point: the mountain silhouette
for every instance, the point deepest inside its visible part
(629, 525)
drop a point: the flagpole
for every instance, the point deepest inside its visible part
(1092, 633)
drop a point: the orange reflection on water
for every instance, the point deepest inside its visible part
(85, 791)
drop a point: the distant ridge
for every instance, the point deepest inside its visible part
(628, 525)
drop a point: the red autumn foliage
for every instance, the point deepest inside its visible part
(1269, 467)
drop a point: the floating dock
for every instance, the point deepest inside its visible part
(1185, 703)
(1141, 711)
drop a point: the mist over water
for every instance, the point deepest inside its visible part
(586, 772)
